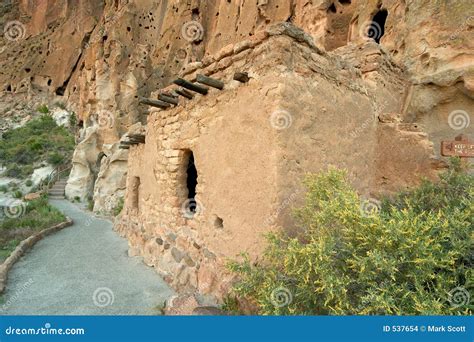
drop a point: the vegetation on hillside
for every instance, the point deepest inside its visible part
(24, 220)
(414, 255)
(41, 139)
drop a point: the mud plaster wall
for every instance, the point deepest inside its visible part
(248, 164)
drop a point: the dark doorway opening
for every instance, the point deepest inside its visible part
(377, 27)
(191, 179)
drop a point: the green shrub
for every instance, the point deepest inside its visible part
(17, 194)
(21, 149)
(29, 183)
(73, 120)
(60, 104)
(35, 216)
(118, 208)
(90, 204)
(3, 188)
(54, 158)
(38, 214)
(408, 258)
(43, 109)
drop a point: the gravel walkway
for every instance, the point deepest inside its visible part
(83, 270)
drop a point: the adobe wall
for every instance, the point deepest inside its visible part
(303, 109)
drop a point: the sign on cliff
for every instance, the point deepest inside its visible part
(459, 147)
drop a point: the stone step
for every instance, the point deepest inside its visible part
(60, 184)
(56, 197)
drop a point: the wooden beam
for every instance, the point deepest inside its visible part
(242, 77)
(185, 93)
(168, 99)
(191, 86)
(154, 103)
(212, 82)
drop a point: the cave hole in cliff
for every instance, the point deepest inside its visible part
(377, 26)
(99, 159)
(339, 16)
(191, 177)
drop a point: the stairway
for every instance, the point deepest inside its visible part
(57, 191)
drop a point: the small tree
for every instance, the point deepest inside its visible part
(414, 256)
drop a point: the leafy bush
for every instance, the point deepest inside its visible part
(73, 120)
(3, 188)
(90, 204)
(29, 182)
(60, 104)
(118, 208)
(37, 215)
(43, 109)
(408, 258)
(17, 194)
(54, 158)
(22, 148)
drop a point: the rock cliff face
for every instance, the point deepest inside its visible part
(372, 86)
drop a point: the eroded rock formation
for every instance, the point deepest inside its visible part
(371, 86)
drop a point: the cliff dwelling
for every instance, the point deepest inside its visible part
(201, 118)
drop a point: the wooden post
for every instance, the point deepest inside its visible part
(154, 103)
(191, 86)
(168, 99)
(185, 93)
(212, 82)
